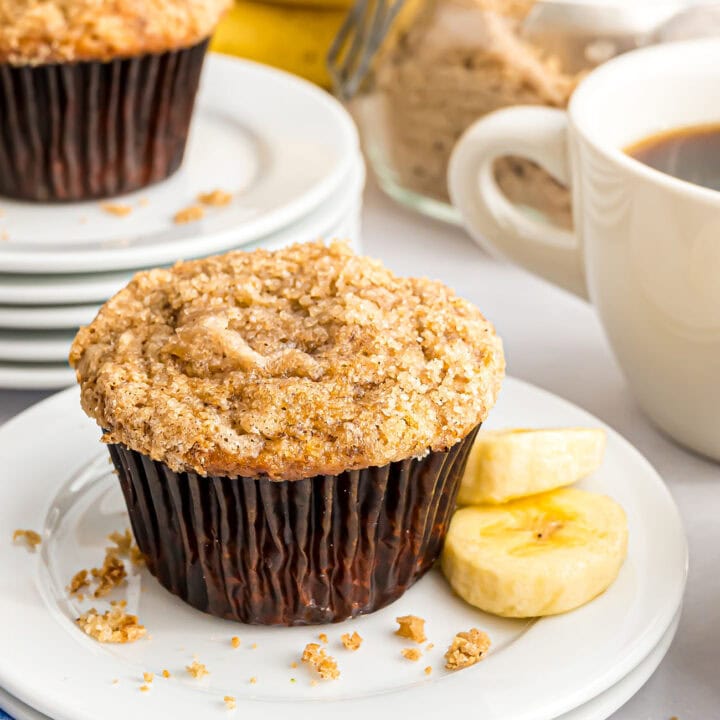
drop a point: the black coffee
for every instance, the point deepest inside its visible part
(689, 153)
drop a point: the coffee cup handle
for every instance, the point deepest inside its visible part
(539, 134)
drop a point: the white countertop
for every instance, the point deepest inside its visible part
(555, 341)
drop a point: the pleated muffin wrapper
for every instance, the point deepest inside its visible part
(301, 552)
(92, 129)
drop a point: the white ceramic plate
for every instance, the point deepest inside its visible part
(44, 317)
(30, 290)
(281, 145)
(35, 345)
(63, 487)
(600, 708)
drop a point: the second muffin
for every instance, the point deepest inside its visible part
(289, 427)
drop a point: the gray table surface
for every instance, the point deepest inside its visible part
(555, 341)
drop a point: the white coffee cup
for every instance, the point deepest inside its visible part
(646, 250)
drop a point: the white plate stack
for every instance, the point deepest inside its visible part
(287, 153)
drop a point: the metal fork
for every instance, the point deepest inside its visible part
(357, 41)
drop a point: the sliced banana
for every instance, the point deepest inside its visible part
(508, 464)
(537, 556)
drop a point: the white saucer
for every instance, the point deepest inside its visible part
(63, 487)
(281, 145)
(38, 289)
(600, 708)
(44, 317)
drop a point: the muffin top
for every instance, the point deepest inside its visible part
(305, 361)
(46, 31)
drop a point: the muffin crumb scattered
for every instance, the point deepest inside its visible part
(30, 538)
(78, 582)
(313, 683)
(253, 646)
(467, 648)
(117, 209)
(189, 214)
(429, 647)
(411, 654)
(411, 627)
(112, 574)
(112, 626)
(230, 702)
(293, 664)
(144, 688)
(351, 642)
(323, 638)
(325, 665)
(235, 641)
(253, 680)
(197, 670)
(148, 677)
(115, 681)
(166, 674)
(428, 670)
(215, 198)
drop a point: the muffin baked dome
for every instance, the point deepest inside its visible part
(45, 31)
(301, 362)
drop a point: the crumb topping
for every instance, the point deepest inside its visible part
(288, 364)
(189, 214)
(411, 654)
(116, 209)
(43, 31)
(411, 627)
(351, 642)
(215, 198)
(467, 648)
(112, 626)
(197, 669)
(29, 538)
(325, 665)
(230, 702)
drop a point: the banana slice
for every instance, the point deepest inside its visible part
(508, 464)
(537, 556)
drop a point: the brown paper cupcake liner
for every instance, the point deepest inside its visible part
(302, 552)
(83, 130)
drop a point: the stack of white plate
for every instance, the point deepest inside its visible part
(286, 151)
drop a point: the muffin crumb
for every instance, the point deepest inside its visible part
(428, 670)
(253, 680)
(166, 674)
(323, 638)
(411, 654)
(253, 646)
(148, 677)
(293, 664)
(411, 627)
(113, 626)
(351, 642)
(467, 648)
(197, 670)
(115, 681)
(313, 683)
(117, 209)
(235, 641)
(112, 574)
(192, 213)
(215, 198)
(29, 538)
(315, 656)
(78, 582)
(144, 688)
(230, 702)
(429, 646)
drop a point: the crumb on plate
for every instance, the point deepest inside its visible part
(148, 677)
(125, 547)
(112, 574)
(197, 669)
(216, 198)
(428, 670)
(253, 680)
(324, 664)
(144, 688)
(166, 674)
(117, 209)
(112, 626)
(351, 642)
(253, 646)
(189, 214)
(293, 664)
(323, 638)
(79, 581)
(467, 648)
(235, 641)
(30, 538)
(230, 702)
(429, 646)
(411, 627)
(411, 654)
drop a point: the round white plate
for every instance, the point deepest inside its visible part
(63, 487)
(35, 345)
(44, 317)
(97, 287)
(281, 145)
(600, 708)
(36, 376)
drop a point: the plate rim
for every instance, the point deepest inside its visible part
(640, 645)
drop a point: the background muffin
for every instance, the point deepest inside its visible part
(289, 427)
(96, 95)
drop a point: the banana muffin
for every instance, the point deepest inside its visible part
(96, 95)
(289, 427)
